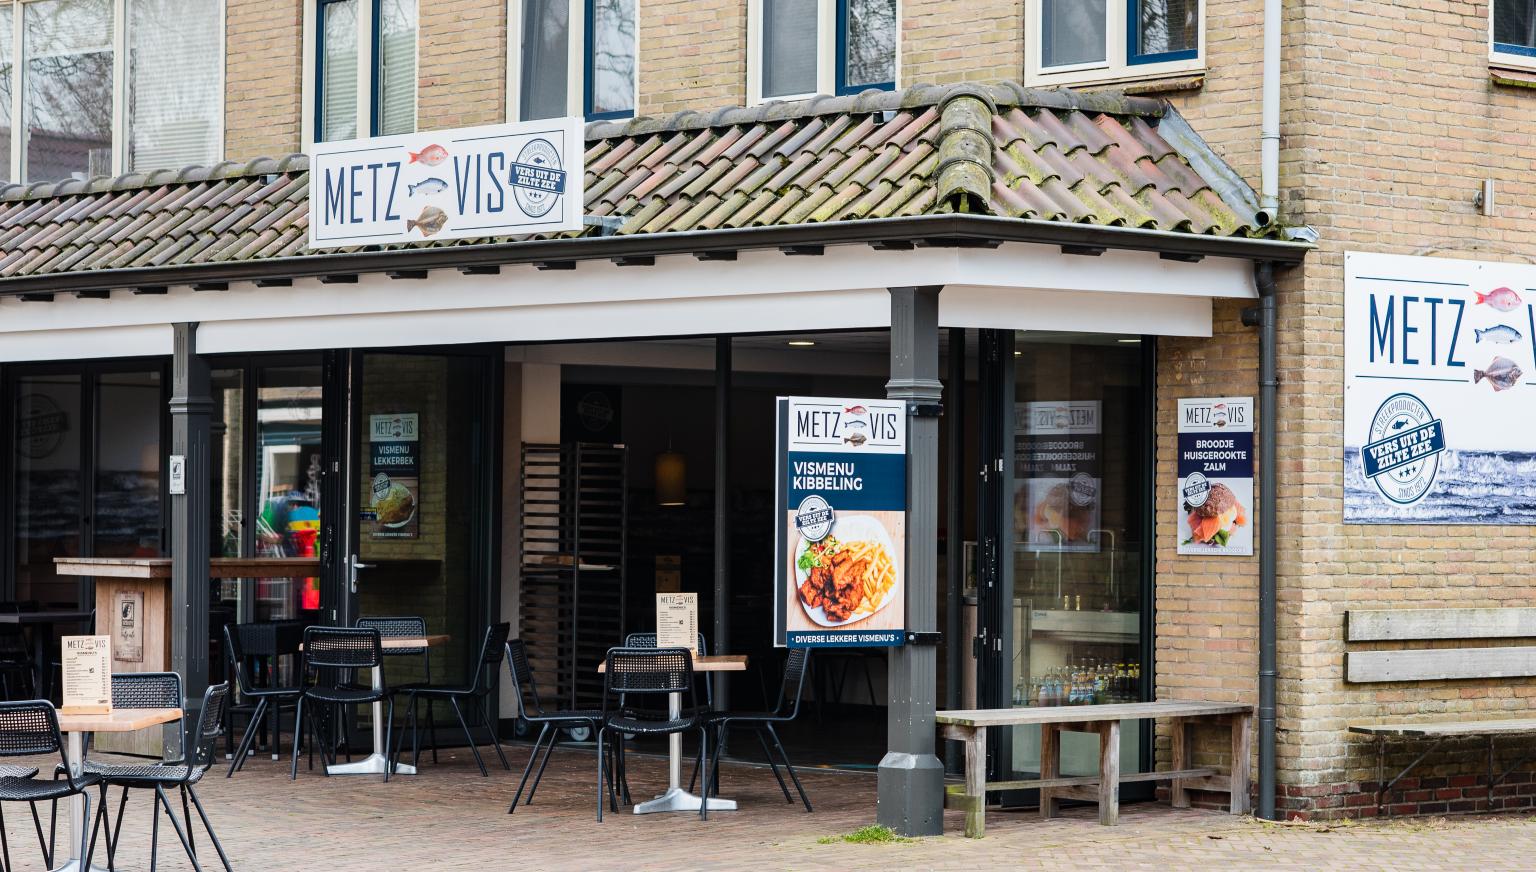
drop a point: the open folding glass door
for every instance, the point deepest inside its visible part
(422, 447)
(1064, 525)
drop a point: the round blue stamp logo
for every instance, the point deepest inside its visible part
(814, 518)
(538, 178)
(1403, 454)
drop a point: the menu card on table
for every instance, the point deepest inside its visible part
(87, 671)
(677, 621)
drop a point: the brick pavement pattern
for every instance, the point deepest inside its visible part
(449, 818)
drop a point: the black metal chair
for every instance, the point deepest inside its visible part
(761, 724)
(531, 709)
(182, 773)
(480, 687)
(649, 671)
(409, 626)
(329, 651)
(27, 729)
(648, 640)
(244, 641)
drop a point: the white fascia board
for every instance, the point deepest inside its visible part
(762, 291)
(1028, 309)
(145, 340)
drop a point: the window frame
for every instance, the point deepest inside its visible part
(578, 87)
(121, 117)
(831, 53)
(368, 80)
(1122, 62)
(1506, 54)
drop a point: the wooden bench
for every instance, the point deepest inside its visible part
(971, 726)
(1439, 664)
(1440, 731)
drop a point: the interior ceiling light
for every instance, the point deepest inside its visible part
(801, 343)
(1131, 341)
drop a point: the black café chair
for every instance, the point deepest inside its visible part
(329, 652)
(244, 641)
(530, 708)
(409, 626)
(31, 728)
(182, 774)
(480, 687)
(761, 724)
(649, 671)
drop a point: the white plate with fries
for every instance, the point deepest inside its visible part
(866, 537)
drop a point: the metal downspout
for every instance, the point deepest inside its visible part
(1264, 279)
(1269, 123)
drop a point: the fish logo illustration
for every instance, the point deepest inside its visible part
(855, 439)
(428, 222)
(1502, 299)
(428, 187)
(1502, 334)
(1502, 373)
(430, 156)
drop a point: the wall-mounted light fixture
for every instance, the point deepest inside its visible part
(671, 478)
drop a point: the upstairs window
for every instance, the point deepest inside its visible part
(797, 48)
(64, 113)
(1514, 32)
(1088, 41)
(599, 82)
(365, 68)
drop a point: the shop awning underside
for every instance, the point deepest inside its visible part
(1060, 165)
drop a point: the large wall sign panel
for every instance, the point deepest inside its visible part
(1439, 391)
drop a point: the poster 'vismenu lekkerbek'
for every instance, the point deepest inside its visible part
(841, 535)
(1439, 390)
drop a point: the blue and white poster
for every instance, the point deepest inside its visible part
(1215, 466)
(1439, 391)
(841, 534)
(473, 182)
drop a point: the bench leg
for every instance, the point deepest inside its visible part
(1178, 794)
(1109, 773)
(1050, 766)
(1242, 753)
(976, 783)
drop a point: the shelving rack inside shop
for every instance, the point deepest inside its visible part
(573, 553)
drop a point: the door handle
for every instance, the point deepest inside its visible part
(353, 566)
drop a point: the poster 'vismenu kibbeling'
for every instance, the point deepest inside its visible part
(1215, 469)
(1439, 391)
(841, 537)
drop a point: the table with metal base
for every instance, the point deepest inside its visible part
(75, 727)
(676, 798)
(377, 762)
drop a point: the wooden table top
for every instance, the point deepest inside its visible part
(160, 567)
(1069, 714)
(117, 721)
(390, 643)
(713, 663)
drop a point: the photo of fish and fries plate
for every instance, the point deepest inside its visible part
(848, 576)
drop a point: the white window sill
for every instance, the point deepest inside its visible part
(1148, 73)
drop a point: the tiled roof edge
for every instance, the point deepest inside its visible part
(919, 95)
(964, 174)
(1232, 188)
(262, 166)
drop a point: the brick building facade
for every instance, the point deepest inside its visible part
(1393, 116)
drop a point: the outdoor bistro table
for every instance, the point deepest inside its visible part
(374, 763)
(74, 727)
(42, 635)
(676, 798)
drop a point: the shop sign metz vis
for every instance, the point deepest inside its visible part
(1439, 391)
(840, 537)
(474, 182)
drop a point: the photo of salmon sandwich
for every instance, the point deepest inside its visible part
(1215, 521)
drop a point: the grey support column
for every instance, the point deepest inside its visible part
(911, 778)
(721, 642)
(191, 408)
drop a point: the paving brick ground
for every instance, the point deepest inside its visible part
(449, 818)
